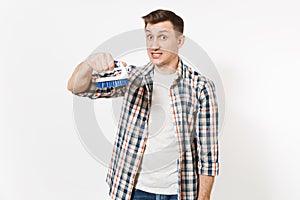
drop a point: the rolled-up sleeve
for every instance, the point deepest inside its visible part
(207, 130)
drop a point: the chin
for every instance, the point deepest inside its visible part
(157, 62)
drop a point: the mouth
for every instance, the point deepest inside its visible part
(156, 55)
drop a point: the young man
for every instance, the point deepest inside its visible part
(191, 119)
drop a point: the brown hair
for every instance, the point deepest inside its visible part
(164, 15)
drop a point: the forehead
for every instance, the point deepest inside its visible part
(165, 26)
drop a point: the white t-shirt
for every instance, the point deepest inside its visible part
(158, 169)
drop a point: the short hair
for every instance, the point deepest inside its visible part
(164, 15)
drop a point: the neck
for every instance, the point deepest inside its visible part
(167, 69)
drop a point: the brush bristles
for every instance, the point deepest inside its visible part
(114, 83)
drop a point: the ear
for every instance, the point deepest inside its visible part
(180, 40)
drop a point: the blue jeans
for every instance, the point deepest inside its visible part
(142, 195)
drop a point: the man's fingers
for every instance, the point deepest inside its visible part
(124, 63)
(109, 62)
(111, 66)
(102, 62)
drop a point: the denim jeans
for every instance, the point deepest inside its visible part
(142, 195)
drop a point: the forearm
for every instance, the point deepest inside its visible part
(205, 187)
(80, 79)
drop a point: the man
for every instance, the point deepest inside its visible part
(191, 119)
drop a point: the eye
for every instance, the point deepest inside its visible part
(149, 37)
(163, 37)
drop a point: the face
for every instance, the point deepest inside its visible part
(163, 43)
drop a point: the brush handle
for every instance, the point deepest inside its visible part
(116, 78)
(120, 72)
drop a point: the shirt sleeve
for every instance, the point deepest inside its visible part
(207, 130)
(93, 92)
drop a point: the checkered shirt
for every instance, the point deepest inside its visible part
(195, 118)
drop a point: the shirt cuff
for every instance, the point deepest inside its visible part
(209, 169)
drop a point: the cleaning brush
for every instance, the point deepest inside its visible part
(117, 77)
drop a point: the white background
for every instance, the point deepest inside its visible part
(255, 46)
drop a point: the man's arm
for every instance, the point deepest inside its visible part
(207, 139)
(205, 187)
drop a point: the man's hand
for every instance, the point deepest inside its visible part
(205, 187)
(100, 62)
(81, 77)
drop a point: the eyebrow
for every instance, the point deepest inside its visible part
(162, 31)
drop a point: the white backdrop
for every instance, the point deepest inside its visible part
(255, 46)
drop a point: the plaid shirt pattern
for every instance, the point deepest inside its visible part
(195, 119)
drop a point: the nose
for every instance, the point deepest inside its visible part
(154, 44)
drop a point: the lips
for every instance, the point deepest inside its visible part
(156, 55)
